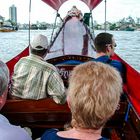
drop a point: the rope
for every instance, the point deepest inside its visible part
(105, 16)
(52, 42)
(59, 17)
(63, 41)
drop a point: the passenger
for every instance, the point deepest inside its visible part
(93, 95)
(7, 130)
(105, 46)
(34, 78)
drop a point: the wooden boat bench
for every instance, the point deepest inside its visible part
(43, 113)
(38, 115)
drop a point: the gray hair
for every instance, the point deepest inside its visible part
(4, 77)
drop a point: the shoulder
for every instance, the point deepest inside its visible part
(51, 66)
(51, 133)
(22, 60)
(117, 64)
(14, 132)
(121, 68)
(42, 64)
(107, 60)
(3, 119)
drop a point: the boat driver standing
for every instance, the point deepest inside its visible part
(34, 78)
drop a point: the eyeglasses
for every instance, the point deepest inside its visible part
(115, 45)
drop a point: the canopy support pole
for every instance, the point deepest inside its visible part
(29, 20)
(92, 26)
(105, 17)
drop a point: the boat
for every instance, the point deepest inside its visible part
(45, 113)
(34, 27)
(42, 26)
(6, 28)
(129, 29)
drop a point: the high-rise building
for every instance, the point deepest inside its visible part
(13, 14)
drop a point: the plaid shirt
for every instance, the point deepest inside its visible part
(34, 78)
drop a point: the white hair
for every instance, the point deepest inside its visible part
(4, 77)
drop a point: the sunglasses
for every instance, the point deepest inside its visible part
(115, 45)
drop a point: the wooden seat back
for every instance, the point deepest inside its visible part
(37, 113)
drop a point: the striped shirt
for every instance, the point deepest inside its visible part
(34, 78)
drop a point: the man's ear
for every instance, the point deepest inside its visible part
(108, 48)
(0, 100)
(3, 98)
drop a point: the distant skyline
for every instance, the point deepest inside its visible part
(116, 10)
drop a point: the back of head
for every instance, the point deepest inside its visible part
(4, 77)
(93, 94)
(39, 45)
(101, 40)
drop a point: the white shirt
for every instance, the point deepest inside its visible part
(11, 132)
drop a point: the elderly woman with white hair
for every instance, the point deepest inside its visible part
(7, 130)
(4, 80)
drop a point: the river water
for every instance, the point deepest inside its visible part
(128, 44)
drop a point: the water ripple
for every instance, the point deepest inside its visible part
(128, 44)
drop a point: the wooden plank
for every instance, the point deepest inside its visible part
(42, 113)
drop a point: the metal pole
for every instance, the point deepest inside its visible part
(105, 17)
(54, 26)
(92, 26)
(29, 19)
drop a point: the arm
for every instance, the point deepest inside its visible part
(55, 87)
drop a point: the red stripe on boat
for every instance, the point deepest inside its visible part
(13, 61)
(132, 87)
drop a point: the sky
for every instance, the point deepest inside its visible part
(116, 10)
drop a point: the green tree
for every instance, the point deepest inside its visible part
(113, 26)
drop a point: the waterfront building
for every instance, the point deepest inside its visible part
(1, 20)
(13, 14)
